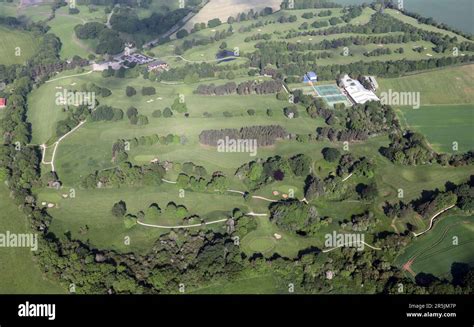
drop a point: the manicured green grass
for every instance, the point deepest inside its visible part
(43, 113)
(88, 216)
(452, 85)
(34, 13)
(92, 208)
(8, 9)
(18, 268)
(262, 240)
(63, 27)
(16, 46)
(261, 284)
(436, 250)
(81, 153)
(277, 30)
(414, 22)
(38, 12)
(89, 148)
(443, 125)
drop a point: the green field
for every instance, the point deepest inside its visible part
(278, 32)
(435, 251)
(81, 152)
(18, 268)
(88, 216)
(442, 125)
(271, 26)
(262, 284)
(89, 149)
(31, 12)
(16, 46)
(63, 27)
(446, 116)
(414, 22)
(453, 85)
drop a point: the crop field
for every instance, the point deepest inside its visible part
(443, 86)
(223, 9)
(16, 47)
(443, 125)
(449, 242)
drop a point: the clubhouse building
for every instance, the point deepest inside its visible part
(356, 92)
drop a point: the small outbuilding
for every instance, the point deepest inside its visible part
(310, 77)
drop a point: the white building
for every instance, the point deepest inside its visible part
(101, 66)
(356, 92)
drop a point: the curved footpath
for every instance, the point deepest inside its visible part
(340, 246)
(432, 220)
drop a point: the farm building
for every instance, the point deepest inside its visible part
(157, 65)
(3, 102)
(310, 77)
(356, 92)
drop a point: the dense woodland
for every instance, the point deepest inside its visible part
(359, 123)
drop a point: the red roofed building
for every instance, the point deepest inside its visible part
(3, 102)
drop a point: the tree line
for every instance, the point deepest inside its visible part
(411, 148)
(244, 88)
(433, 201)
(265, 135)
